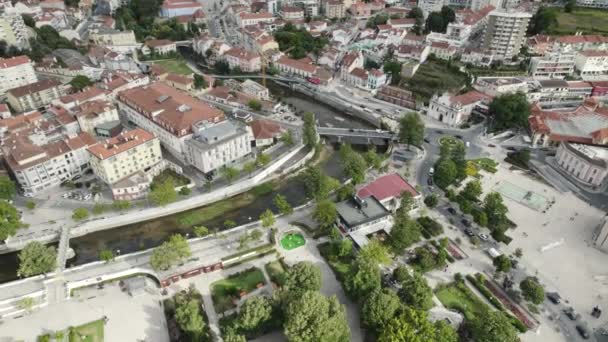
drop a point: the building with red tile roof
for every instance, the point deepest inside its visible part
(16, 72)
(455, 110)
(388, 189)
(265, 132)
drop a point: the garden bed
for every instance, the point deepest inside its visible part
(460, 298)
(486, 164)
(227, 291)
(502, 297)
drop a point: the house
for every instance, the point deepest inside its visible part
(265, 132)
(245, 19)
(295, 67)
(158, 47)
(174, 8)
(255, 89)
(402, 23)
(291, 12)
(360, 10)
(455, 110)
(388, 190)
(245, 60)
(94, 113)
(350, 62)
(35, 95)
(180, 82)
(443, 50)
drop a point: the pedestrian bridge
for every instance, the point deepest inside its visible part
(353, 133)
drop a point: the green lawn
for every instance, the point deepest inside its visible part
(486, 164)
(176, 66)
(581, 19)
(435, 77)
(462, 299)
(89, 332)
(178, 180)
(292, 241)
(225, 290)
(276, 272)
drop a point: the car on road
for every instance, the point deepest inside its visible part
(426, 140)
(484, 237)
(458, 136)
(571, 313)
(469, 232)
(466, 222)
(491, 145)
(429, 181)
(583, 331)
(554, 297)
(452, 211)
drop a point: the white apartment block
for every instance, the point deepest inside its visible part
(294, 67)
(125, 154)
(592, 3)
(556, 92)
(35, 95)
(13, 30)
(428, 6)
(455, 109)
(94, 113)
(495, 86)
(16, 72)
(245, 19)
(587, 164)
(115, 40)
(245, 60)
(255, 89)
(505, 32)
(592, 65)
(214, 146)
(552, 65)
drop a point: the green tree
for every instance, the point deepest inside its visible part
(532, 290)
(281, 203)
(36, 258)
(491, 327)
(315, 318)
(372, 159)
(502, 263)
(435, 23)
(229, 224)
(495, 209)
(445, 333)
(267, 218)
(254, 313)
(184, 191)
(80, 214)
(199, 82)
(254, 104)
(30, 204)
(80, 82)
(303, 277)
(200, 231)
(353, 164)
(232, 336)
(570, 6)
(375, 252)
(171, 252)
(445, 173)
(287, 138)
(10, 220)
(448, 15)
(189, 319)
(345, 247)
(309, 136)
(345, 192)
(363, 278)
(379, 308)
(229, 173)
(416, 13)
(393, 69)
(431, 201)
(472, 191)
(318, 185)
(415, 292)
(406, 203)
(249, 167)
(405, 232)
(28, 20)
(410, 325)
(263, 159)
(325, 214)
(163, 193)
(106, 255)
(510, 111)
(543, 21)
(121, 205)
(480, 218)
(7, 188)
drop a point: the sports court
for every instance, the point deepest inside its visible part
(520, 195)
(292, 241)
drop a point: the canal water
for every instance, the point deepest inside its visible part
(143, 235)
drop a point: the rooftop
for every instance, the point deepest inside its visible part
(386, 187)
(13, 61)
(120, 143)
(355, 212)
(595, 154)
(34, 87)
(265, 129)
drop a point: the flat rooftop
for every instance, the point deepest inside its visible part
(356, 212)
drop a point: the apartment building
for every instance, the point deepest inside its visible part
(167, 113)
(495, 86)
(592, 64)
(587, 164)
(13, 30)
(350, 62)
(552, 65)
(175, 8)
(291, 12)
(255, 89)
(593, 3)
(35, 95)
(505, 32)
(124, 155)
(158, 46)
(121, 41)
(245, 60)
(398, 96)
(94, 113)
(245, 19)
(216, 145)
(556, 92)
(335, 9)
(16, 72)
(38, 166)
(295, 67)
(455, 110)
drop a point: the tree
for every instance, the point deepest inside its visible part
(303, 277)
(163, 193)
(189, 319)
(184, 191)
(263, 159)
(570, 6)
(405, 232)
(106, 255)
(448, 16)
(434, 23)
(200, 231)
(325, 214)
(416, 13)
(231, 336)
(519, 252)
(267, 218)
(406, 203)
(375, 252)
(496, 210)
(80, 82)
(36, 258)
(393, 68)
(229, 224)
(254, 104)
(472, 191)
(199, 82)
(309, 132)
(415, 292)
(318, 185)
(80, 214)
(445, 173)
(28, 20)
(491, 327)
(544, 20)
(169, 253)
(254, 312)
(249, 167)
(345, 247)
(502, 263)
(510, 111)
(379, 308)
(532, 290)
(363, 278)
(372, 159)
(281, 203)
(287, 138)
(10, 220)
(431, 201)
(410, 325)
(229, 173)
(445, 333)
(30, 204)
(121, 205)
(345, 192)
(222, 67)
(7, 188)
(353, 164)
(314, 318)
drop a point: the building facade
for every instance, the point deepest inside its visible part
(592, 64)
(552, 65)
(505, 32)
(16, 72)
(245, 60)
(455, 110)
(35, 95)
(587, 164)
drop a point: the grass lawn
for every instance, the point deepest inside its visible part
(435, 77)
(276, 272)
(581, 19)
(486, 164)
(223, 291)
(292, 241)
(462, 300)
(176, 66)
(178, 180)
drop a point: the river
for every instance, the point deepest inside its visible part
(142, 235)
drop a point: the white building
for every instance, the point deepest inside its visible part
(587, 164)
(16, 72)
(495, 86)
(216, 145)
(13, 30)
(592, 65)
(469, 24)
(245, 60)
(428, 6)
(455, 110)
(592, 3)
(552, 65)
(245, 19)
(255, 89)
(94, 113)
(294, 67)
(115, 40)
(505, 32)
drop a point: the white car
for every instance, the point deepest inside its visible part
(484, 237)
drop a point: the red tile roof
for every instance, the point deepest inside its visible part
(34, 87)
(14, 61)
(120, 143)
(470, 97)
(264, 129)
(385, 187)
(297, 64)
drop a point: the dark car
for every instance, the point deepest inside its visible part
(459, 137)
(554, 297)
(583, 331)
(469, 232)
(452, 211)
(491, 145)
(426, 140)
(466, 222)
(570, 313)
(429, 181)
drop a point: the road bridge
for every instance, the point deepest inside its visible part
(376, 136)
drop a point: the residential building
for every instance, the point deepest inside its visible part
(587, 164)
(158, 47)
(443, 50)
(592, 64)
(86, 95)
(115, 40)
(579, 42)
(398, 96)
(265, 132)
(335, 9)
(16, 72)
(295, 67)
(38, 166)
(552, 65)
(255, 89)
(180, 82)
(600, 235)
(356, 78)
(351, 61)
(93, 114)
(35, 95)
(428, 6)
(477, 57)
(555, 93)
(167, 113)
(124, 155)
(592, 3)
(375, 79)
(216, 145)
(388, 190)
(360, 10)
(455, 110)
(505, 32)
(245, 60)
(13, 30)
(291, 12)
(174, 8)
(245, 19)
(469, 25)
(495, 86)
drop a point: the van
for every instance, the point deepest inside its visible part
(493, 252)
(431, 171)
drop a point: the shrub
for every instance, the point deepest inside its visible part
(433, 227)
(484, 290)
(30, 205)
(185, 191)
(80, 214)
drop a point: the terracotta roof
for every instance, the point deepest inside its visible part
(34, 87)
(242, 54)
(120, 143)
(93, 108)
(350, 58)
(578, 39)
(296, 64)
(402, 22)
(474, 17)
(470, 97)
(173, 110)
(14, 61)
(600, 134)
(83, 96)
(579, 84)
(264, 129)
(385, 187)
(594, 53)
(181, 79)
(440, 45)
(261, 15)
(359, 73)
(291, 9)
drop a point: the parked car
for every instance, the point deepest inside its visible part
(554, 297)
(458, 137)
(583, 331)
(452, 211)
(429, 181)
(426, 140)
(469, 232)
(570, 313)
(483, 236)
(466, 222)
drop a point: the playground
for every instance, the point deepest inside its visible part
(520, 195)
(292, 241)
